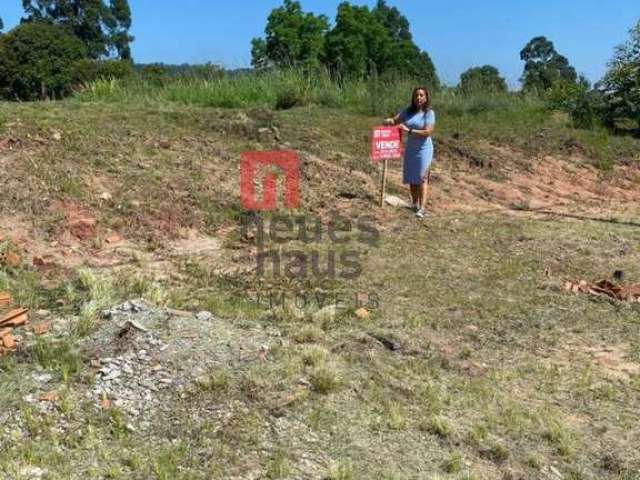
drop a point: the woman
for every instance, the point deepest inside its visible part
(418, 121)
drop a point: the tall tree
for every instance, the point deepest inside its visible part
(358, 45)
(293, 38)
(621, 84)
(396, 24)
(102, 27)
(406, 56)
(544, 65)
(482, 79)
(1, 26)
(364, 42)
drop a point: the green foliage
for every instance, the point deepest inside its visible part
(1, 26)
(88, 70)
(584, 106)
(103, 28)
(361, 44)
(544, 65)
(621, 84)
(374, 42)
(482, 79)
(37, 61)
(293, 38)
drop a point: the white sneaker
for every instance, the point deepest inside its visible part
(421, 213)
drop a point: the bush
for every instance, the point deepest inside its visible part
(88, 70)
(621, 84)
(37, 61)
(584, 106)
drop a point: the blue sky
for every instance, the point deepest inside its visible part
(457, 35)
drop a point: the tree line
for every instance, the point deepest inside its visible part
(361, 44)
(377, 42)
(60, 43)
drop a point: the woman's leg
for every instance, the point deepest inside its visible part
(415, 194)
(424, 190)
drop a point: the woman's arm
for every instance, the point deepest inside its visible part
(424, 133)
(392, 120)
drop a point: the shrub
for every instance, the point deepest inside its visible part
(584, 106)
(621, 84)
(37, 61)
(88, 70)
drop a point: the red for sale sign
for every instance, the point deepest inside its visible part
(386, 143)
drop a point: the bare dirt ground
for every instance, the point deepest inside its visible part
(475, 363)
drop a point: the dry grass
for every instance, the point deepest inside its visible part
(492, 377)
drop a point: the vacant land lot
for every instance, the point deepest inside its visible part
(473, 362)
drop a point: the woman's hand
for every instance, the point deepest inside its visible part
(388, 121)
(404, 128)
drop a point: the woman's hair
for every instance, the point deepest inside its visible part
(413, 108)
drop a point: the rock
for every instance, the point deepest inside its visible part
(57, 136)
(204, 316)
(33, 472)
(555, 472)
(111, 375)
(396, 201)
(388, 342)
(42, 377)
(106, 196)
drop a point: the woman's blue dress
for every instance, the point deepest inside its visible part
(419, 150)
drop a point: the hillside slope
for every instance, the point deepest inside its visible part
(471, 362)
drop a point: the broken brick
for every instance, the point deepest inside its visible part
(115, 238)
(51, 396)
(15, 318)
(8, 341)
(41, 328)
(12, 259)
(5, 298)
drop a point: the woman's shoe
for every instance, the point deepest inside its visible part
(421, 213)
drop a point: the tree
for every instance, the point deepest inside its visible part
(358, 45)
(103, 28)
(396, 24)
(1, 26)
(621, 83)
(365, 42)
(37, 61)
(482, 79)
(544, 65)
(293, 38)
(406, 58)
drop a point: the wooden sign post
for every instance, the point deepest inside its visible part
(386, 144)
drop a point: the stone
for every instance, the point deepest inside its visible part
(204, 316)
(395, 201)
